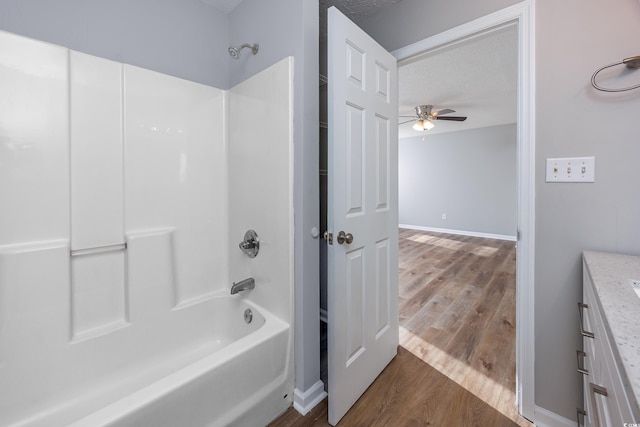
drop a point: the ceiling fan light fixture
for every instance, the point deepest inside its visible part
(422, 125)
(425, 117)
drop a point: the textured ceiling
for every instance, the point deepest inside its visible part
(358, 9)
(355, 10)
(477, 78)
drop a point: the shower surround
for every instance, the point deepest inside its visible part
(124, 194)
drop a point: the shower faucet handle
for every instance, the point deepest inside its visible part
(250, 245)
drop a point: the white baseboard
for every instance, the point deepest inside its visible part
(545, 418)
(459, 232)
(305, 401)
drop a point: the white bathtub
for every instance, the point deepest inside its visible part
(243, 381)
(196, 365)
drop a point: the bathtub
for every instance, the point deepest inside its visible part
(243, 381)
(212, 368)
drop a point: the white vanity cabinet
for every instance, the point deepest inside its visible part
(610, 326)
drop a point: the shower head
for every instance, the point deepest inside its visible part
(234, 51)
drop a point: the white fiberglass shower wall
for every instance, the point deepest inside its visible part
(124, 196)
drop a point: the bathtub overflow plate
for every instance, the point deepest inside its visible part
(248, 315)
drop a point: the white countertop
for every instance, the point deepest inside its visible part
(621, 306)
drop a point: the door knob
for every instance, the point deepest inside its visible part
(345, 238)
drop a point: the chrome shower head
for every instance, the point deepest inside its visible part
(234, 51)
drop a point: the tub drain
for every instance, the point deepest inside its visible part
(248, 315)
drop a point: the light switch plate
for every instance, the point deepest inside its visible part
(571, 169)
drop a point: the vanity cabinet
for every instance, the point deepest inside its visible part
(610, 357)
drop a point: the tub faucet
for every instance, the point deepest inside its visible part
(243, 285)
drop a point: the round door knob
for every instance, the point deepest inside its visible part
(344, 238)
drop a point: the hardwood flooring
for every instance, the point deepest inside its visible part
(456, 363)
(407, 393)
(458, 313)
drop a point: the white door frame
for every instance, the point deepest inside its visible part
(522, 15)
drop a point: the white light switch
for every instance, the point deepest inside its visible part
(571, 169)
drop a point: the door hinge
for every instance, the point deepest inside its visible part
(328, 237)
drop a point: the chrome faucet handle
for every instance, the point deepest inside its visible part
(247, 245)
(250, 245)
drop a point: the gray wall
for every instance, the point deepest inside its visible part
(290, 27)
(189, 39)
(469, 175)
(182, 38)
(573, 38)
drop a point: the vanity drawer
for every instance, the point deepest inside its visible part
(606, 392)
(591, 334)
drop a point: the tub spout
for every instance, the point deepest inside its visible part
(243, 285)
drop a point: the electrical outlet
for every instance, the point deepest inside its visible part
(571, 169)
(444, 216)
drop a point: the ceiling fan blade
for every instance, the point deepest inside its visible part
(412, 120)
(445, 111)
(452, 118)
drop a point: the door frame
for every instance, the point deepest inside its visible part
(522, 15)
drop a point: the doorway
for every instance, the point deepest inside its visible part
(522, 16)
(458, 213)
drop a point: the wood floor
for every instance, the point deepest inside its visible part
(458, 313)
(456, 363)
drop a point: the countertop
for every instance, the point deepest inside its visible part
(621, 307)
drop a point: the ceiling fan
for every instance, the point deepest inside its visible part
(425, 117)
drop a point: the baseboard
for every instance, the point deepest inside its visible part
(304, 402)
(460, 232)
(545, 418)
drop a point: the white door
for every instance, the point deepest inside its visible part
(362, 309)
